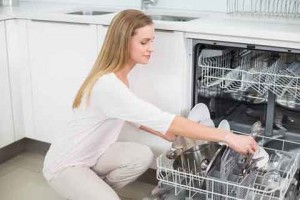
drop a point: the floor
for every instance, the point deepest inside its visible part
(21, 179)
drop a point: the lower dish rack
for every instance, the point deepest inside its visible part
(223, 182)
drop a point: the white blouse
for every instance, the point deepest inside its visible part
(96, 126)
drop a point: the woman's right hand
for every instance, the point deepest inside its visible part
(241, 143)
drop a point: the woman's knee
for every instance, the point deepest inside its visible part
(145, 157)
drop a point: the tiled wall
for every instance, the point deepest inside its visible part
(201, 5)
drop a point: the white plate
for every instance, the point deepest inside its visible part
(261, 152)
(224, 124)
(208, 122)
(199, 113)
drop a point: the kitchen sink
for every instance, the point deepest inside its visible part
(154, 17)
(89, 12)
(171, 18)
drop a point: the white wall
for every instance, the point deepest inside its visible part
(198, 5)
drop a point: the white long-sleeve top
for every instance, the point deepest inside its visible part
(96, 126)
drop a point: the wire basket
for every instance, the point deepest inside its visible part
(222, 184)
(278, 8)
(250, 70)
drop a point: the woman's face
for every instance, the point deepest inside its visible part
(141, 45)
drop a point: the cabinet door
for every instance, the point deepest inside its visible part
(102, 30)
(162, 82)
(61, 55)
(19, 74)
(6, 120)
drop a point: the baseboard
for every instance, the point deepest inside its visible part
(20, 146)
(12, 150)
(35, 145)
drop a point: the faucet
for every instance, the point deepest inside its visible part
(145, 4)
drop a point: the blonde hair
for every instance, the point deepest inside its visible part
(114, 54)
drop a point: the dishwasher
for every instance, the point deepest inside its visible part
(244, 83)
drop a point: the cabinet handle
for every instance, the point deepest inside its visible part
(163, 30)
(60, 22)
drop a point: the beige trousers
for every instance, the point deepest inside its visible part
(121, 164)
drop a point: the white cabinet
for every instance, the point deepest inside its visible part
(61, 55)
(6, 118)
(19, 74)
(101, 30)
(163, 83)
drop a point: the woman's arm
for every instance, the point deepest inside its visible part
(116, 101)
(168, 136)
(187, 128)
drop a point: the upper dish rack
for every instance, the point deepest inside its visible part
(278, 8)
(250, 70)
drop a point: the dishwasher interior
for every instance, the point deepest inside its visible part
(244, 84)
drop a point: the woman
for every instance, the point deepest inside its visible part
(87, 163)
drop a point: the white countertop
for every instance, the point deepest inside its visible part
(211, 26)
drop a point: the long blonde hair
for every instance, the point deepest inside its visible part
(114, 54)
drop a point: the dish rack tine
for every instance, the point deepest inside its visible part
(277, 8)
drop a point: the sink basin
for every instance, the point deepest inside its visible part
(89, 12)
(154, 17)
(171, 18)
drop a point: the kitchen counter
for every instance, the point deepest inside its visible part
(209, 25)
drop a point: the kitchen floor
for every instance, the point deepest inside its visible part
(21, 179)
